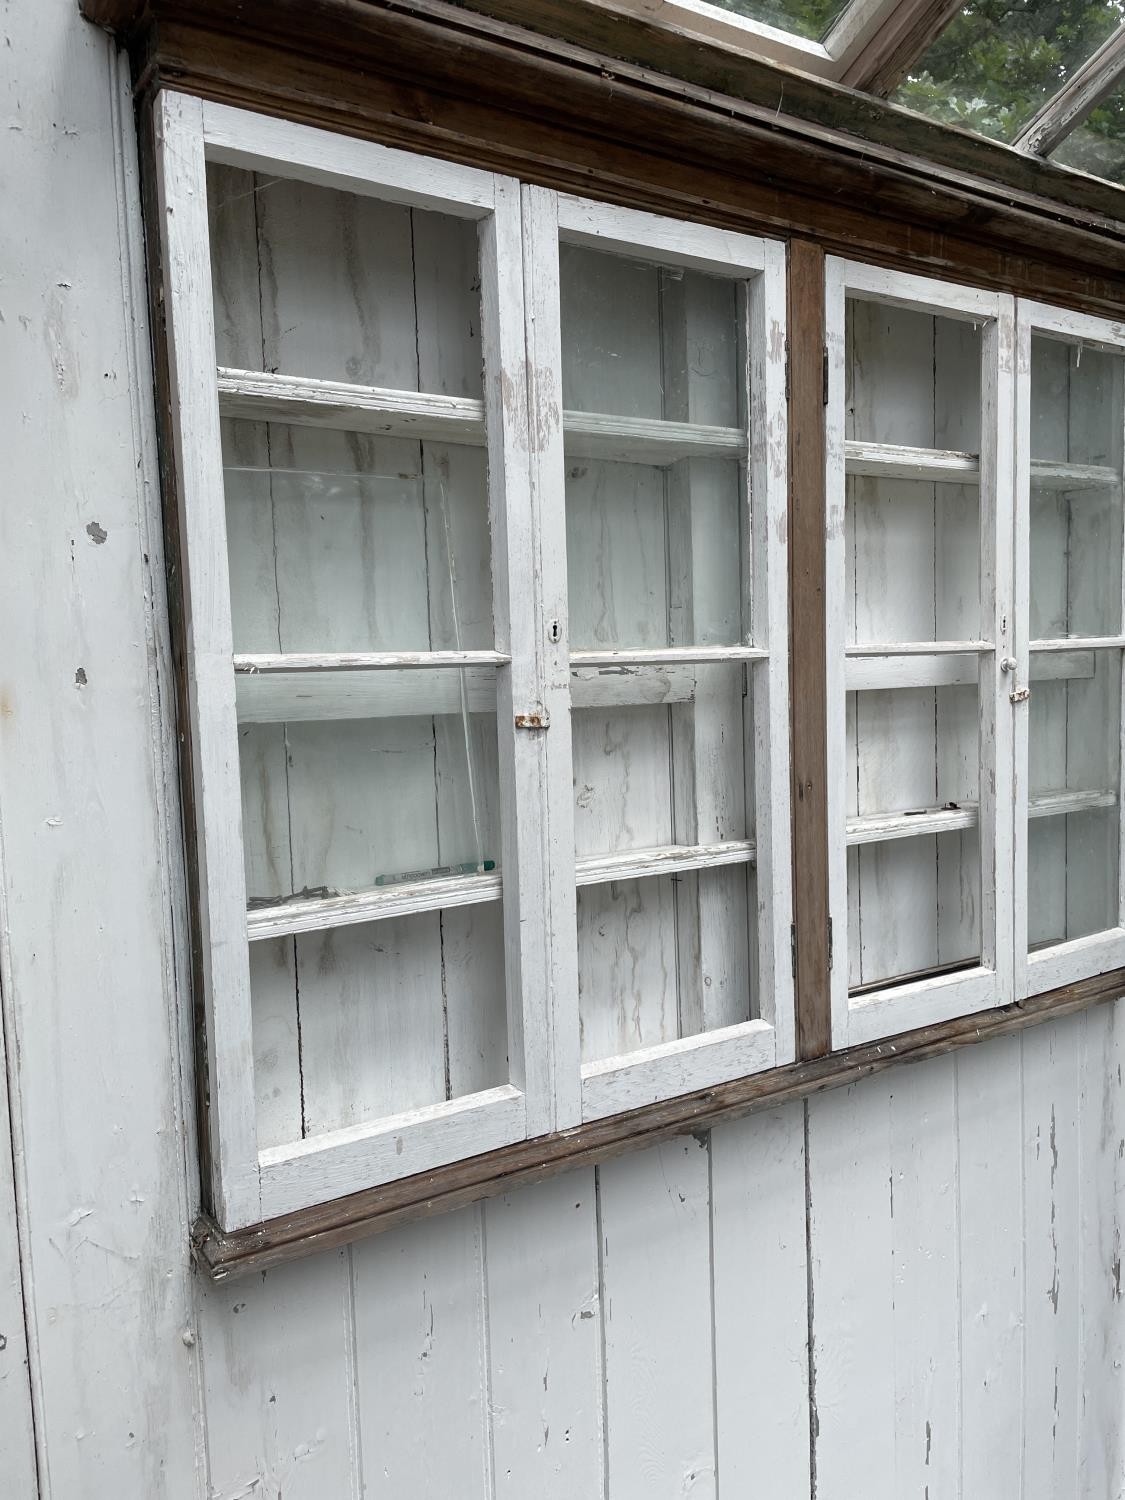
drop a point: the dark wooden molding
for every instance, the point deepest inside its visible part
(807, 646)
(690, 129)
(372, 1212)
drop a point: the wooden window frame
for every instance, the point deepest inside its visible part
(900, 1006)
(769, 154)
(1067, 962)
(657, 1073)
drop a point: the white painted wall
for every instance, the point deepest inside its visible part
(949, 1232)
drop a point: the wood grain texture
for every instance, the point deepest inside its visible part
(381, 1208)
(808, 650)
(690, 154)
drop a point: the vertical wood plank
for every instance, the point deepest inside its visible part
(17, 1425)
(852, 1271)
(657, 1328)
(422, 1361)
(808, 663)
(1052, 1252)
(760, 1305)
(990, 1219)
(544, 1317)
(1101, 1123)
(279, 1382)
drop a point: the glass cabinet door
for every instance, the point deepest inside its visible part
(919, 480)
(350, 332)
(1071, 420)
(659, 392)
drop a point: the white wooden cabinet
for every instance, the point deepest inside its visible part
(920, 390)
(488, 700)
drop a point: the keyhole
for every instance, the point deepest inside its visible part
(554, 632)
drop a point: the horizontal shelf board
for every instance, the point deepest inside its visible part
(666, 656)
(256, 397)
(251, 395)
(1078, 643)
(897, 461)
(377, 903)
(310, 697)
(878, 650)
(317, 913)
(880, 828)
(1061, 804)
(1046, 475)
(639, 864)
(949, 466)
(647, 440)
(918, 670)
(360, 661)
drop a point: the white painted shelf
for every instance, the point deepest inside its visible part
(948, 466)
(318, 912)
(880, 828)
(250, 395)
(869, 669)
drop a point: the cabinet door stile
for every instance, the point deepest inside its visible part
(544, 359)
(225, 973)
(768, 498)
(520, 689)
(841, 770)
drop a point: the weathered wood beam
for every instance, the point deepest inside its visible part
(905, 36)
(376, 1210)
(1078, 98)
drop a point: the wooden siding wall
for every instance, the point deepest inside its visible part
(948, 1234)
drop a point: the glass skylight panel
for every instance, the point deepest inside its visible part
(999, 61)
(807, 18)
(1098, 145)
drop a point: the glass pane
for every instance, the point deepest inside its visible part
(1098, 145)
(340, 541)
(665, 957)
(999, 61)
(913, 553)
(657, 539)
(1073, 840)
(807, 18)
(315, 282)
(912, 378)
(361, 1022)
(1077, 405)
(655, 556)
(913, 888)
(357, 780)
(661, 757)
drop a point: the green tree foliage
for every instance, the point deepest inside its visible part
(994, 66)
(997, 62)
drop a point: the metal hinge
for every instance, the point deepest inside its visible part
(787, 369)
(793, 946)
(826, 374)
(830, 945)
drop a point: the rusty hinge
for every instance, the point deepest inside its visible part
(1021, 695)
(825, 393)
(787, 369)
(540, 720)
(830, 945)
(793, 946)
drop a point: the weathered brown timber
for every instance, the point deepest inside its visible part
(807, 651)
(690, 129)
(379, 1209)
